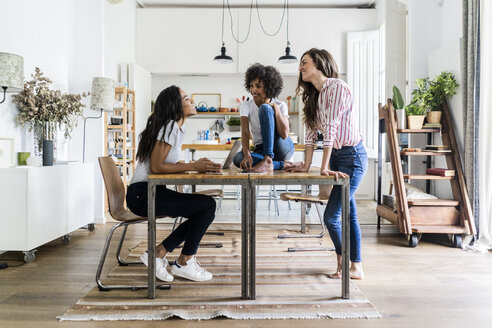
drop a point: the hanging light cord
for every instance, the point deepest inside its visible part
(281, 21)
(249, 25)
(223, 3)
(287, 4)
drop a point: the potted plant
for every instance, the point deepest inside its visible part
(443, 86)
(44, 110)
(399, 106)
(431, 94)
(234, 124)
(415, 116)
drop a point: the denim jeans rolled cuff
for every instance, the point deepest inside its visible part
(351, 160)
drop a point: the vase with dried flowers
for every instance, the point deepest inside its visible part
(45, 111)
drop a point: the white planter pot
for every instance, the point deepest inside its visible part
(400, 116)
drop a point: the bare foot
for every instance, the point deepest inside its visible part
(265, 165)
(356, 271)
(336, 275)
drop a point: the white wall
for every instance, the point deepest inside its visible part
(44, 45)
(72, 42)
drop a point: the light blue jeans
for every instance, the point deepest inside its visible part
(351, 160)
(273, 145)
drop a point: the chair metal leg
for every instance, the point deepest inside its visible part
(320, 235)
(121, 262)
(103, 287)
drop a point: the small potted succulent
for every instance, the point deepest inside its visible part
(234, 124)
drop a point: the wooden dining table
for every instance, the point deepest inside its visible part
(248, 183)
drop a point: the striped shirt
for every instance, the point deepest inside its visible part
(335, 116)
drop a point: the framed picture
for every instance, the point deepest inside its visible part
(209, 99)
(7, 158)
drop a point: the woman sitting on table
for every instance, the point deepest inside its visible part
(159, 150)
(269, 122)
(328, 108)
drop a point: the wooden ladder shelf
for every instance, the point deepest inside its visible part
(414, 217)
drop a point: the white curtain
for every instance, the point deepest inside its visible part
(485, 132)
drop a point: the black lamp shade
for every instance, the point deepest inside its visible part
(223, 58)
(287, 58)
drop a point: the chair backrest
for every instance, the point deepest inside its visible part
(115, 189)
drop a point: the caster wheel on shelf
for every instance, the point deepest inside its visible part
(29, 256)
(65, 239)
(91, 227)
(456, 241)
(413, 240)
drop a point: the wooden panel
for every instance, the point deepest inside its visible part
(434, 215)
(433, 202)
(387, 213)
(425, 177)
(439, 229)
(424, 153)
(418, 130)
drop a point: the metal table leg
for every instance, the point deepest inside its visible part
(151, 239)
(345, 193)
(244, 243)
(252, 243)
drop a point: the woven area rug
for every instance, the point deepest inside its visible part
(289, 285)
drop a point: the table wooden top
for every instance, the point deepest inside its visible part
(232, 173)
(235, 173)
(223, 147)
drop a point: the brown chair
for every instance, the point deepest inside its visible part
(317, 200)
(115, 191)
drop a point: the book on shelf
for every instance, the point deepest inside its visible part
(438, 148)
(439, 171)
(413, 150)
(432, 126)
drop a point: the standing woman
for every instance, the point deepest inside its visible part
(159, 150)
(268, 119)
(328, 108)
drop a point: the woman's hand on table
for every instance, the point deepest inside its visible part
(336, 174)
(247, 162)
(206, 165)
(295, 167)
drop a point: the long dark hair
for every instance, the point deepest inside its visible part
(324, 62)
(167, 107)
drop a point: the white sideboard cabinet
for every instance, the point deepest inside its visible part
(39, 204)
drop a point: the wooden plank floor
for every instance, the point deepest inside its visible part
(432, 285)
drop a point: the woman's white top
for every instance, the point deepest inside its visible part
(174, 139)
(250, 110)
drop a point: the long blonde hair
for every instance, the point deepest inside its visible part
(325, 63)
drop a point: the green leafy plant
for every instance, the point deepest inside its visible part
(431, 94)
(398, 102)
(38, 104)
(234, 121)
(414, 109)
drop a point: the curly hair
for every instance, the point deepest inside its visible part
(270, 77)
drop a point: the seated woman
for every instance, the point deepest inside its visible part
(269, 122)
(159, 150)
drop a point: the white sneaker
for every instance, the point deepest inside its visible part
(192, 270)
(160, 267)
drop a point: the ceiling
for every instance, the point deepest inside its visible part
(262, 3)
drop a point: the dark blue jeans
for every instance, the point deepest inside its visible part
(198, 209)
(273, 145)
(351, 160)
